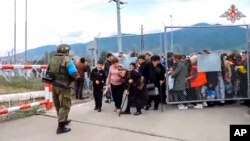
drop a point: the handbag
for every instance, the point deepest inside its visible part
(107, 92)
(152, 90)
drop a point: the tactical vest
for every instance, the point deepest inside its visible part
(58, 69)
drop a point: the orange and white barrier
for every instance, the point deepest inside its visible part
(27, 67)
(22, 107)
(21, 68)
(48, 95)
(48, 102)
(22, 96)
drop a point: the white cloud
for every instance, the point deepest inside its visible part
(50, 21)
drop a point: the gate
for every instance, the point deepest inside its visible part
(220, 55)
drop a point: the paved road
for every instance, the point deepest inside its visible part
(171, 125)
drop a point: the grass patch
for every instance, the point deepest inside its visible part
(20, 84)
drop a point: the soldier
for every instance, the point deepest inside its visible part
(62, 69)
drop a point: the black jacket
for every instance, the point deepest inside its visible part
(137, 93)
(98, 75)
(212, 79)
(107, 65)
(142, 69)
(154, 74)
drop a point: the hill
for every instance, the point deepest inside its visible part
(78, 49)
(185, 41)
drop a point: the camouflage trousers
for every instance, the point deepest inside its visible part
(62, 102)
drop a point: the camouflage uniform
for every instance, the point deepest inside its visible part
(59, 70)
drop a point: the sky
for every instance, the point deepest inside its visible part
(79, 21)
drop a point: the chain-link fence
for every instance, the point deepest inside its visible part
(207, 63)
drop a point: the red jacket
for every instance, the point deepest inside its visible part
(199, 77)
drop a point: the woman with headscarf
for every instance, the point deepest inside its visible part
(135, 90)
(155, 75)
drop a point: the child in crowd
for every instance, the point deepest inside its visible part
(172, 98)
(98, 77)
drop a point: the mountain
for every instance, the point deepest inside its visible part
(212, 38)
(185, 41)
(78, 49)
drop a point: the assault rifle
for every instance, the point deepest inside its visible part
(51, 81)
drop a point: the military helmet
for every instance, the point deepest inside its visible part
(63, 48)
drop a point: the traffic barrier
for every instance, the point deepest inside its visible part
(22, 96)
(48, 102)
(21, 68)
(11, 67)
(22, 107)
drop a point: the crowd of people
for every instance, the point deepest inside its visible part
(146, 81)
(189, 85)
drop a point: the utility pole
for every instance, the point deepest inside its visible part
(12, 55)
(161, 46)
(48, 57)
(96, 39)
(92, 54)
(96, 51)
(14, 31)
(9, 57)
(142, 39)
(118, 3)
(172, 39)
(26, 28)
(165, 40)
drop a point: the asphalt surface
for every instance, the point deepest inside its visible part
(209, 124)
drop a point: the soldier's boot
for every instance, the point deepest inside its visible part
(61, 128)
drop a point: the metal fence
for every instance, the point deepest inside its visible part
(216, 63)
